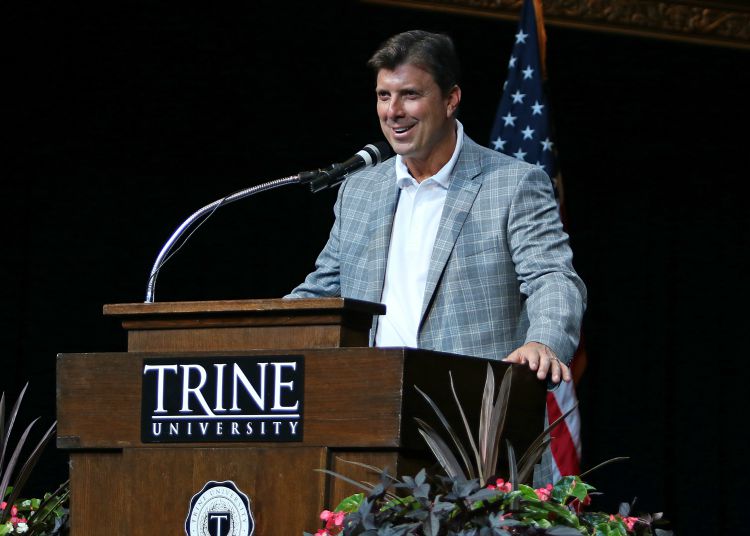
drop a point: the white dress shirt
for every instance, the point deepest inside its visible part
(415, 226)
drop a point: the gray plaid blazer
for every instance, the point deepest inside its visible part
(501, 272)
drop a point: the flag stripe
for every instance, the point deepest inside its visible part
(523, 129)
(565, 449)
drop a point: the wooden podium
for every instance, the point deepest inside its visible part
(358, 405)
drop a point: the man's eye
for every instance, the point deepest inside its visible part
(383, 96)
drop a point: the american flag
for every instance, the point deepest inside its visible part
(522, 129)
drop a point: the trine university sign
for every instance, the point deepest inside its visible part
(216, 399)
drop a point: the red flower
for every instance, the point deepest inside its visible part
(577, 505)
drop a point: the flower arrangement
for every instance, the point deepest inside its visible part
(468, 499)
(30, 517)
(36, 517)
(440, 505)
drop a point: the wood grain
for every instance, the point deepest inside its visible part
(359, 404)
(245, 324)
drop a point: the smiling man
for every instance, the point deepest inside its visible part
(463, 244)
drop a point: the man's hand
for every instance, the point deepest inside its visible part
(542, 359)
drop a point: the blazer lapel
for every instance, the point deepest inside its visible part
(466, 180)
(385, 197)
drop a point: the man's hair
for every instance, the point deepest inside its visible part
(432, 52)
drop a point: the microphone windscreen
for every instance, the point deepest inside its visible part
(383, 151)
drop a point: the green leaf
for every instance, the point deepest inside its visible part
(561, 512)
(351, 503)
(570, 486)
(562, 530)
(580, 490)
(527, 492)
(49, 509)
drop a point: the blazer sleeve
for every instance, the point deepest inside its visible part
(555, 294)
(325, 280)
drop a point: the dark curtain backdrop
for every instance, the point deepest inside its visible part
(123, 119)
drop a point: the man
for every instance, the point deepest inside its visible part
(464, 245)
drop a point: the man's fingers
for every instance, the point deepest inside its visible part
(546, 362)
(566, 374)
(541, 359)
(515, 357)
(559, 370)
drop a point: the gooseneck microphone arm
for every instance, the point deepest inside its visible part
(242, 194)
(320, 179)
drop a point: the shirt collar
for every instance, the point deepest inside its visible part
(443, 176)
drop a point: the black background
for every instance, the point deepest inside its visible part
(120, 120)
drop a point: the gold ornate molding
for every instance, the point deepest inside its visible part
(707, 22)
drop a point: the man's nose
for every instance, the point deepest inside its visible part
(395, 108)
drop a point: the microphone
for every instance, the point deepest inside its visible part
(319, 179)
(371, 155)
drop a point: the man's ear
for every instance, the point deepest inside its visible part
(453, 100)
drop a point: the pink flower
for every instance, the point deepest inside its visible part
(630, 522)
(13, 509)
(322, 532)
(544, 493)
(332, 519)
(501, 485)
(338, 518)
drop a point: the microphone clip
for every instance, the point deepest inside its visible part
(327, 178)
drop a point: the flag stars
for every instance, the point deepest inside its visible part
(499, 144)
(521, 118)
(510, 120)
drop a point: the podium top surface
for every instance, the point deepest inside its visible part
(267, 306)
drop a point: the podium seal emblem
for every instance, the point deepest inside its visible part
(220, 509)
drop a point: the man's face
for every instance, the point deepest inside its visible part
(416, 118)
